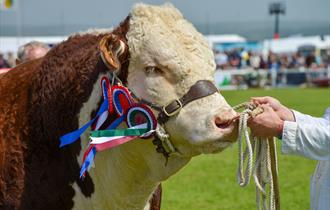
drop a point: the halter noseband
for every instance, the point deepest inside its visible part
(200, 89)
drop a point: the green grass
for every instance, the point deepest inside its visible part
(208, 182)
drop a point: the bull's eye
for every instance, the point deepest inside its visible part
(153, 70)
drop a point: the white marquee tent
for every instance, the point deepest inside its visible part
(291, 44)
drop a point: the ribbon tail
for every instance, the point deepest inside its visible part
(69, 138)
(101, 120)
(87, 163)
(74, 135)
(113, 143)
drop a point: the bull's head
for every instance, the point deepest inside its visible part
(167, 57)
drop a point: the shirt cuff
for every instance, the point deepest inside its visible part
(289, 137)
(299, 117)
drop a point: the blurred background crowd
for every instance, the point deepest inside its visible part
(240, 59)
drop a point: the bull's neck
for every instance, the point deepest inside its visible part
(124, 177)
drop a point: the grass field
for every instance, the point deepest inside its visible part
(208, 182)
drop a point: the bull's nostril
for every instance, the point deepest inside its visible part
(220, 123)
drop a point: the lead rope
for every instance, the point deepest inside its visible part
(265, 169)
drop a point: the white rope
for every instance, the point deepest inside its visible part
(262, 169)
(244, 177)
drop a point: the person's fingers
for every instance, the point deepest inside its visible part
(261, 100)
(266, 107)
(255, 128)
(252, 127)
(254, 100)
(271, 111)
(256, 133)
(250, 122)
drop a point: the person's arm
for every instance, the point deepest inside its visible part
(308, 136)
(301, 134)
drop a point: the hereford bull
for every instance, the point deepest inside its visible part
(160, 56)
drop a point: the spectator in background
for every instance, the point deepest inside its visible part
(255, 60)
(221, 59)
(274, 67)
(11, 59)
(245, 59)
(30, 51)
(3, 63)
(300, 60)
(235, 59)
(273, 61)
(292, 61)
(310, 60)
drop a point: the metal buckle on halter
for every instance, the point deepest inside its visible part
(175, 111)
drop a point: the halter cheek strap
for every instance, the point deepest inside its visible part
(200, 89)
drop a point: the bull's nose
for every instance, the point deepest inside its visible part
(225, 119)
(222, 123)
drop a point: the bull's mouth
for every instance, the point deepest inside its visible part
(216, 146)
(229, 129)
(223, 135)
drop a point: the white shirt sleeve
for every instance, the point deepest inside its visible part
(308, 136)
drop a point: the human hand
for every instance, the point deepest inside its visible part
(267, 124)
(283, 112)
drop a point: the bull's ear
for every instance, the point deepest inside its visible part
(111, 49)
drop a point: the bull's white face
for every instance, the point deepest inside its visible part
(168, 56)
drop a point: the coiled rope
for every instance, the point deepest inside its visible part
(263, 151)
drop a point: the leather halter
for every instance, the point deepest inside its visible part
(200, 89)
